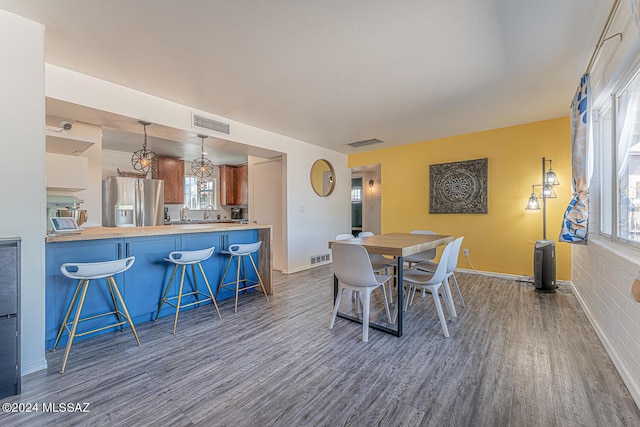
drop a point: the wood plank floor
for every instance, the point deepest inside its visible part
(515, 358)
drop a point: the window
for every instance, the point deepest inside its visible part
(603, 135)
(628, 162)
(617, 137)
(200, 193)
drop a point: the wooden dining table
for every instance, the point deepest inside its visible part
(398, 245)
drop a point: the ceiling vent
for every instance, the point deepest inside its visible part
(365, 143)
(207, 123)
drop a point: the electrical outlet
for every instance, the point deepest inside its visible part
(465, 252)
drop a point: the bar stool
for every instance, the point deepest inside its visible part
(241, 251)
(85, 273)
(184, 258)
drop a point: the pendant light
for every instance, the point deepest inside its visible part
(550, 177)
(144, 160)
(202, 167)
(533, 203)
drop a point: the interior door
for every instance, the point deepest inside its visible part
(266, 207)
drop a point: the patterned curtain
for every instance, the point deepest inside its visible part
(574, 224)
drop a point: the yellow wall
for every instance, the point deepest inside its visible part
(502, 240)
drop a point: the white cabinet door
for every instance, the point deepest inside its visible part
(66, 173)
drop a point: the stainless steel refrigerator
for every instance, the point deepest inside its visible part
(132, 202)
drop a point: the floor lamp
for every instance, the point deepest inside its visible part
(544, 258)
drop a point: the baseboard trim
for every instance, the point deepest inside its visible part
(29, 368)
(629, 380)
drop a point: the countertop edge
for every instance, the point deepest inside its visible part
(100, 233)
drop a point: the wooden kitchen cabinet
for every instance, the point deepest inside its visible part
(172, 172)
(233, 185)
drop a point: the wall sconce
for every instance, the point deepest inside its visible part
(371, 182)
(549, 179)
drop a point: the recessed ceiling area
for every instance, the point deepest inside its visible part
(334, 72)
(125, 134)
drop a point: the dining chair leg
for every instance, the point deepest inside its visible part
(335, 308)
(448, 297)
(443, 322)
(407, 300)
(386, 301)
(455, 283)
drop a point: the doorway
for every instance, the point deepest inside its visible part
(266, 204)
(366, 199)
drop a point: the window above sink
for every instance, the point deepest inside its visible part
(200, 193)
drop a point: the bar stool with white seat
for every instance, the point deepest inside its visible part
(184, 258)
(242, 251)
(85, 273)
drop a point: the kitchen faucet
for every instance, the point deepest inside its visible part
(208, 214)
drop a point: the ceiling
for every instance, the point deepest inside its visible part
(332, 72)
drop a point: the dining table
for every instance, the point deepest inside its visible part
(399, 246)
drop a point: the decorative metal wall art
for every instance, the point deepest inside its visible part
(459, 187)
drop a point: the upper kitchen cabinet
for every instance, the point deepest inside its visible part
(233, 185)
(70, 145)
(66, 169)
(171, 171)
(66, 173)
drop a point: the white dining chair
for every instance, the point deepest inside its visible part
(427, 255)
(344, 237)
(352, 267)
(452, 263)
(432, 281)
(380, 265)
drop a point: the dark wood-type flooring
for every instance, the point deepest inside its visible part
(515, 358)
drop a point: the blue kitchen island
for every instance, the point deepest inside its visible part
(142, 285)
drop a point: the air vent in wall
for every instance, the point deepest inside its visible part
(315, 259)
(207, 123)
(365, 142)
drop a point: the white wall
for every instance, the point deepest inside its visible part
(22, 170)
(92, 196)
(311, 221)
(602, 277)
(603, 271)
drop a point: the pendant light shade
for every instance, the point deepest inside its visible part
(550, 177)
(144, 160)
(202, 167)
(533, 204)
(548, 192)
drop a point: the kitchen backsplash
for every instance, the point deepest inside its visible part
(223, 211)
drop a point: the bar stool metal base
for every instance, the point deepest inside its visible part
(83, 285)
(178, 298)
(248, 284)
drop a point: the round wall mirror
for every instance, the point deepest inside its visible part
(323, 178)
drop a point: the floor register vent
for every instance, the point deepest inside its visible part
(207, 123)
(315, 259)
